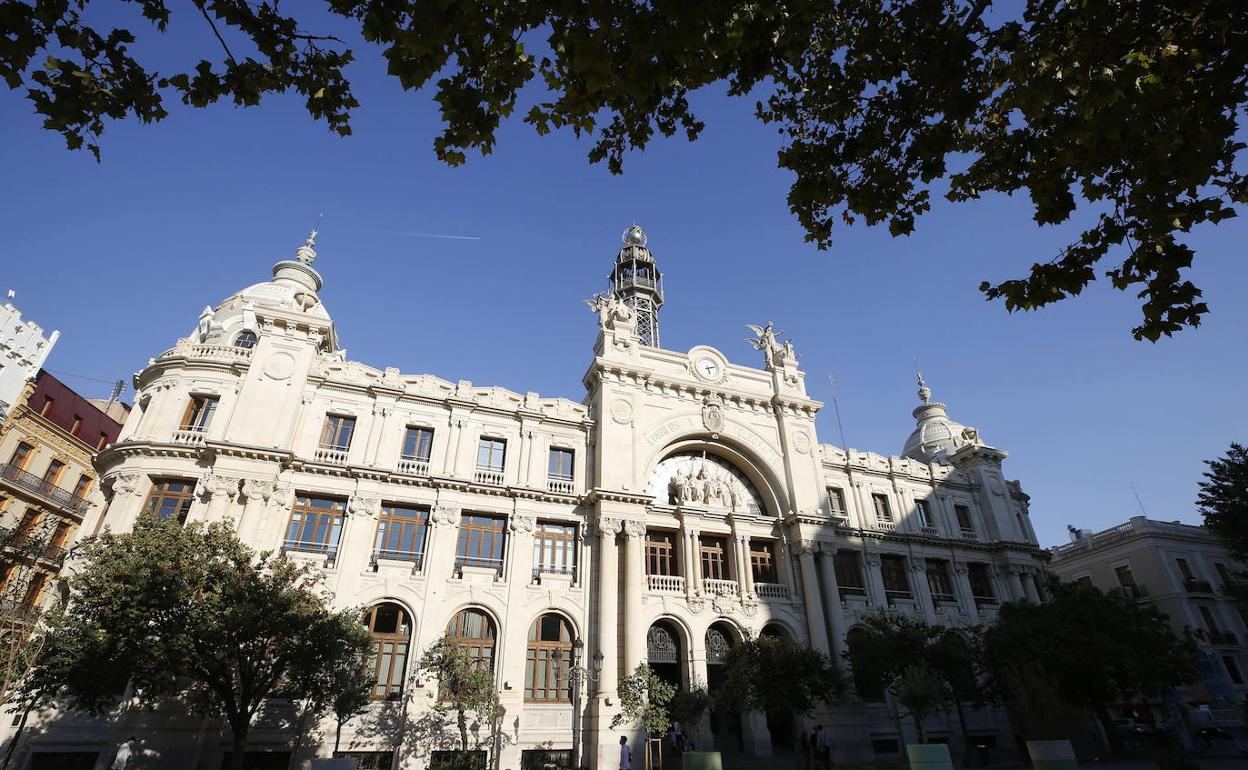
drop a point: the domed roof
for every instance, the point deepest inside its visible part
(937, 435)
(293, 287)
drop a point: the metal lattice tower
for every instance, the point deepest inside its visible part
(636, 281)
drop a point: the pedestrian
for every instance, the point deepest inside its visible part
(123, 753)
(626, 754)
(825, 748)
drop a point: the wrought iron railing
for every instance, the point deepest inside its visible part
(61, 498)
(479, 562)
(417, 558)
(568, 570)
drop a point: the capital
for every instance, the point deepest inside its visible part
(609, 527)
(635, 528)
(521, 523)
(213, 486)
(444, 515)
(126, 484)
(256, 491)
(364, 505)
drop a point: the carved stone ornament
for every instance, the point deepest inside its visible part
(126, 484)
(801, 442)
(805, 546)
(704, 482)
(364, 505)
(609, 527)
(622, 411)
(635, 528)
(212, 485)
(724, 605)
(254, 489)
(521, 523)
(282, 496)
(444, 515)
(713, 415)
(871, 559)
(696, 604)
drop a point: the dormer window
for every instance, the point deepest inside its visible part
(246, 339)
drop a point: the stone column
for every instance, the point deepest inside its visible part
(874, 579)
(810, 591)
(922, 591)
(832, 596)
(1016, 584)
(694, 578)
(1029, 586)
(608, 609)
(256, 495)
(130, 491)
(217, 492)
(634, 582)
(697, 677)
(966, 596)
(519, 574)
(746, 576)
(276, 518)
(518, 569)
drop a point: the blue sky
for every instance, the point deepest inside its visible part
(122, 255)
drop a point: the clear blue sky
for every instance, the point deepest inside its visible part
(121, 256)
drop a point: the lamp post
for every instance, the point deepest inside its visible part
(578, 675)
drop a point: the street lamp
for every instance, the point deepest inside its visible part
(577, 676)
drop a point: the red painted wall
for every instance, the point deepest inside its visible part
(66, 404)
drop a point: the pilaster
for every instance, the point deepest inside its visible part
(832, 595)
(815, 621)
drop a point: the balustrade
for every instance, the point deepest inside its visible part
(331, 455)
(560, 486)
(721, 587)
(488, 476)
(673, 583)
(772, 591)
(413, 466)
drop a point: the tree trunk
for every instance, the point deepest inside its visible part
(462, 721)
(17, 736)
(337, 734)
(301, 727)
(238, 750)
(918, 725)
(1107, 725)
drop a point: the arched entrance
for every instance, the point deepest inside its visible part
(725, 724)
(664, 653)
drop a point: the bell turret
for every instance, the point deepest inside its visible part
(636, 281)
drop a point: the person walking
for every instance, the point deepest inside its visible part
(823, 747)
(626, 754)
(123, 753)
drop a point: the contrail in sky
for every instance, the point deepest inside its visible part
(415, 234)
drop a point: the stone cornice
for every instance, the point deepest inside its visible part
(24, 419)
(695, 390)
(615, 496)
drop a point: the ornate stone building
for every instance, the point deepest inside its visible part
(683, 504)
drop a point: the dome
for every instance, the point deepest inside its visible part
(937, 435)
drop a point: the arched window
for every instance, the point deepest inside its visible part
(391, 629)
(473, 629)
(246, 339)
(549, 659)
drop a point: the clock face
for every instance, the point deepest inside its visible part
(707, 367)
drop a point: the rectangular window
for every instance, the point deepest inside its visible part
(368, 760)
(80, 489)
(490, 454)
(546, 759)
(199, 413)
(712, 550)
(561, 464)
(336, 434)
(61, 535)
(1185, 569)
(883, 513)
(836, 501)
(27, 525)
(763, 561)
(554, 548)
(401, 533)
(1210, 623)
(848, 567)
(1126, 580)
(981, 583)
(21, 455)
(481, 541)
(315, 525)
(49, 404)
(53, 474)
(171, 499)
(1232, 669)
(893, 570)
(963, 514)
(34, 590)
(417, 444)
(660, 553)
(938, 582)
(1223, 573)
(103, 442)
(925, 513)
(73, 431)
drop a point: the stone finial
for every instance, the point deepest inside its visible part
(925, 393)
(306, 253)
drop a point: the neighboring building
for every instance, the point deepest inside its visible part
(23, 349)
(47, 486)
(683, 504)
(1180, 569)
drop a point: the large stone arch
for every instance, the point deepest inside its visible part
(765, 479)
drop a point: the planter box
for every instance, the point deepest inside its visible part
(701, 760)
(1052, 755)
(929, 756)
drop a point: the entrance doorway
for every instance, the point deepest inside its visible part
(725, 724)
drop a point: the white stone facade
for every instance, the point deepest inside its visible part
(677, 460)
(23, 349)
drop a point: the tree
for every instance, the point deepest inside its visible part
(1125, 111)
(193, 613)
(775, 676)
(1093, 648)
(920, 690)
(688, 708)
(464, 687)
(1223, 500)
(644, 699)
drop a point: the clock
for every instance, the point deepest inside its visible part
(707, 368)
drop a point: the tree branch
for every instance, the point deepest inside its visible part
(200, 5)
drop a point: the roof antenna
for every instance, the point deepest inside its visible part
(836, 407)
(119, 387)
(1138, 501)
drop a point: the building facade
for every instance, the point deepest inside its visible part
(1182, 570)
(683, 505)
(23, 349)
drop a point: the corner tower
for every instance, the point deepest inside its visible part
(636, 281)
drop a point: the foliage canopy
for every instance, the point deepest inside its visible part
(773, 675)
(1223, 500)
(1124, 112)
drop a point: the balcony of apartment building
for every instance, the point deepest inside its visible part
(850, 579)
(718, 567)
(1197, 586)
(555, 549)
(44, 488)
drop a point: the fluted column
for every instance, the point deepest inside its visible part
(832, 596)
(875, 580)
(256, 496)
(810, 591)
(966, 595)
(922, 591)
(746, 576)
(695, 563)
(608, 609)
(634, 580)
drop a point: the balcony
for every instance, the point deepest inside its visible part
(560, 486)
(331, 455)
(777, 591)
(1195, 586)
(328, 550)
(968, 534)
(558, 570)
(478, 563)
(944, 599)
(928, 530)
(985, 601)
(1133, 591)
(898, 596)
(489, 476)
(1223, 638)
(886, 526)
(29, 482)
(416, 558)
(666, 583)
(846, 591)
(229, 353)
(55, 555)
(189, 436)
(413, 466)
(721, 587)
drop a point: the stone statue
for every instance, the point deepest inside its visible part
(734, 497)
(612, 312)
(765, 340)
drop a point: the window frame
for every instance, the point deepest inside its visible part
(337, 425)
(481, 649)
(763, 567)
(661, 553)
(713, 557)
(413, 434)
(842, 567)
(553, 656)
(394, 654)
(554, 469)
(836, 501)
(199, 412)
(883, 510)
(306, 515)
(924, 511)
(556, 539)
(894, 566)
(473, 538)
(248, 334)
(21, 455)
(489, 444)
(415, 518)
(160, 493)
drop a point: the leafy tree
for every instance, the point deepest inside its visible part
(1123, 112)
(1093, 648)
(464, 687)
(688, 707)
(920, 690)
(1223, 500)
(644, 700)
(194, 613)
(774, 675)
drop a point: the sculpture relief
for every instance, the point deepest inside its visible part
(444, 515)
(126, 484)
(713, 415)
(521, 523)
(613, 314)
(364, 505)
